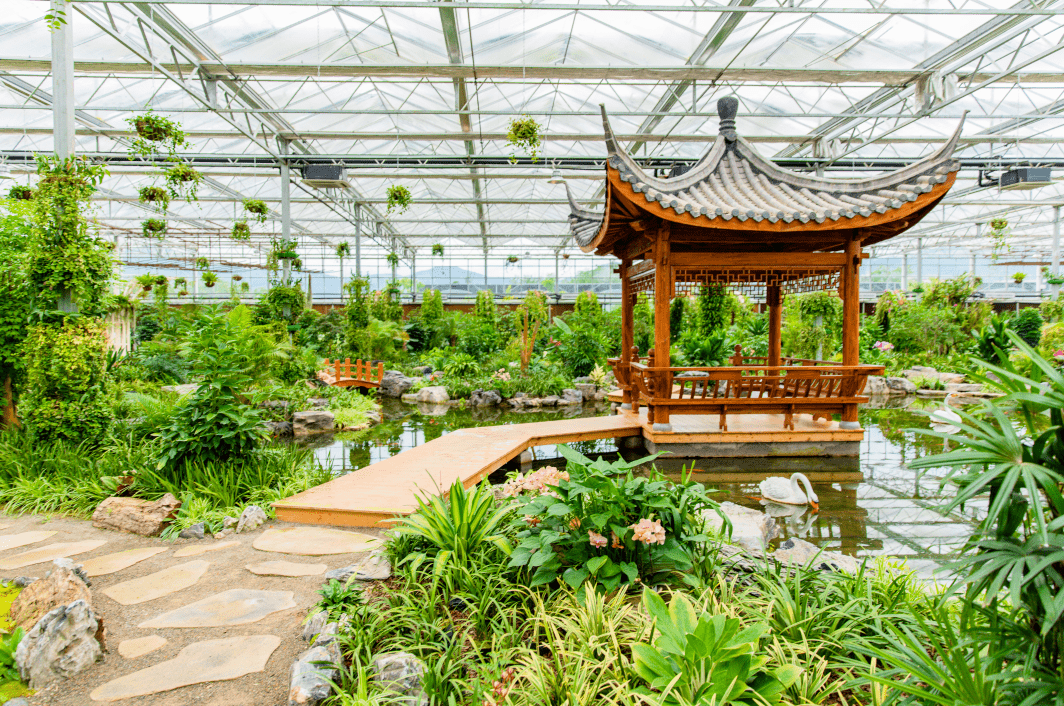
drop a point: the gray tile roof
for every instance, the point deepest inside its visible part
(733, 181)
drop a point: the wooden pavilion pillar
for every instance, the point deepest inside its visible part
(851, 323)
(775, 322)
(662, 336)
(627, 336)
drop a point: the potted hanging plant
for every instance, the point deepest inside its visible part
(524, 135)
(146, 281)
(565, 256)
(237, 278)
(155, 134)
(241, 231)
(183, 181)
(156, 195)
(256, 208)
(297, 263)
(153, 228)
(343, 250)
(245, 287)
(183, 293)
(20, 192)
(161, 281)
(209, 278)
(393, 259)
(202, 263)
(512, 259)
(437, 249)
(999, 232)
(399, 197)
(1018, 277)
(180, 282)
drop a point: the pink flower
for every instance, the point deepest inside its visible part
(885, 346)
(1058, 353)
(596, 539)
(648, 531)
(615, 542)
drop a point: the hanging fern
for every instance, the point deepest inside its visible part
(393, 259)
(524, 135)
(399, 197)
(209, 278)
(202, 263)
(437, 249)
(153, 228)
(20, 192)
(999, 233)
(156, 195)
(257, 208)
(343, 250)
(155, 135)
(241, 231)
(183, 182)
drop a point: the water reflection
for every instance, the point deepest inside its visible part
(869, 506)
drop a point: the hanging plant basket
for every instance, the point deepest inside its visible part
(156, 195)
(257, 208)
(999, 233)
(241, 231)
(437, 249)
(1018, 277)
(565, 256)
(180, 282)
(146, 282)
(183, 293)
(245, 287)
(20, 193)
(209, 279)
(512, 259)
(393, 259)
(524, 135)
(155, 135)
(343, 250)
(153, 228)
(202, 263)
(297, 264)
(161, 281)
(183, 182)
(237, 278)
(288, 255)
(399, 198)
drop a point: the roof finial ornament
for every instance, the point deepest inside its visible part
(727, 107)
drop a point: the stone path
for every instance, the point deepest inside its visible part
(223, 629)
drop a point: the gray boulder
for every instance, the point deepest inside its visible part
(374, 567)
(571, 396)
(750, 529)
(186, 389)
(587, 389)
(484, 398)
(312, 422)
(196, 531)
(394, 383)
(878, 386)
(281, 430)
(437, 394)
(61, 644)
(135, 515)
(251, 518)
(550, 401)
(313, 674)
(314, 625)
(798, 552)
(401, 673)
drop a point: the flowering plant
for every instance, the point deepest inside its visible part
(1058, 354)
(501, 375)
(597, 522)
(883, 346)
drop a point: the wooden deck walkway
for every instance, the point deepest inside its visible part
(373, 496)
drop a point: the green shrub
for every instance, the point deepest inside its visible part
(485, 306)
(1028, 324)
(587, 304)
(676, 317)
(711, 310)
(462, 365)
(579, 347)
(1051, 310)
(478, 337)
(929, 383)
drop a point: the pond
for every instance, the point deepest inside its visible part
(894, 511)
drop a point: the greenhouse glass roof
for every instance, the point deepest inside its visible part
(421, 94)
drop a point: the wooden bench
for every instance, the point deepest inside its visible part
(361, 373)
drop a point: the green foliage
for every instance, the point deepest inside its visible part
(277, 299)
(155, 135)
(462, 365)
(393, 259)
(214, 424)
(209, 278)
(202, 263)
(643, 323)
(8, 644)
(20, 192)
(384, 304)
(356, 314)
(485, 306)
(478, 337)
(155, 195)
(589, 527)
(1051, 310)
(432, 306)
(241, 230)
(15, 292)
(343, 250)
(1028, 324)
(929, 383)
(65, 395)
(153, 228)
(992, 341)
(676, 317)
(705, 351)
(587, 304)
(699, 658)
(579, 347)
(951, 293)
(524, 134)
(381, 340)
(711, 309)
(258, 209)
(437, 249)
(338, 598)
(182, 181)
(399, 198)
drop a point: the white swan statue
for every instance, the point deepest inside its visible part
(787, 492)
(798, 523)
(945, 419)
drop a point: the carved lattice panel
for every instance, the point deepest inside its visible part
(752, 282)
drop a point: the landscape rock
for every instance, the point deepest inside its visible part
(889, 386)
(422, 370)
(137, 516)
(484, 398)
(18, 702)
(196, 531)
(571, 396)
(186, 389)
(374, 567)
(587, 389)
(313, 422)
(67, 563)
(62, 587)
(275, 405)
(318, 402)
(314, 625)
(752, 530)
(963, 388)
(798, 552)
(228, 522)
(281, 430)
(23, 581)
(61, 644)
(313, 674)
(436, 394)
(251, 518)
(394, 383)
(550, 401)
(400, 673)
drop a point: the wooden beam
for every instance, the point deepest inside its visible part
(775, 323)
(760, 260)
(627, 326)
(662, 300)
(851, 317)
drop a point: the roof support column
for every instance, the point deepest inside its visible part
(63, 80)
(851, 324)
(413, 276)
(662, 336)
(286, 193)
(920, 261)
(358, 242)
(905, 272)
(623, 370)
(774, 302)
(1055, 258)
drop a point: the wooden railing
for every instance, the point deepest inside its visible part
(361, 373)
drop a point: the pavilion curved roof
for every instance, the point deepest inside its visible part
(734, 188)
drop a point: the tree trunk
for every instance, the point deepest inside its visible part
(10, 420)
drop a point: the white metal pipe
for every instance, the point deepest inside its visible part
(358, 241)
(1055, 257)
(63, 79)
(920, 261)
(905, 272)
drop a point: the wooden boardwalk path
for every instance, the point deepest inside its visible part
(373, 496)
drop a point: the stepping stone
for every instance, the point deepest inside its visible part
(50, 552)
(286, 568)
(237, 606)
(131, 649)
(313, 541)
(110, 563)
(22, 539)
(199, 549)
(157, 585)
(211, 660)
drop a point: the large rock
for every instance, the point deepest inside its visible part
(63, 586)
(313, 422)
(401, 673)
(750, 529)
(394, 383)
(964, 388)
(251, 518)
(587, 389)
(550, 401)
(185, 389)
(571, 396)
(437, 394)
(281, 430)
(484, 398)
(134, 515)
(889, 387)
(374, 567)
(798, 552)
(61, 644)
(313, 675)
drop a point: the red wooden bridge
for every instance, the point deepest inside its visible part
(361, 373)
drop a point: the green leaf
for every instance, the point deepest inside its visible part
(575, 577)
(596, 563)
